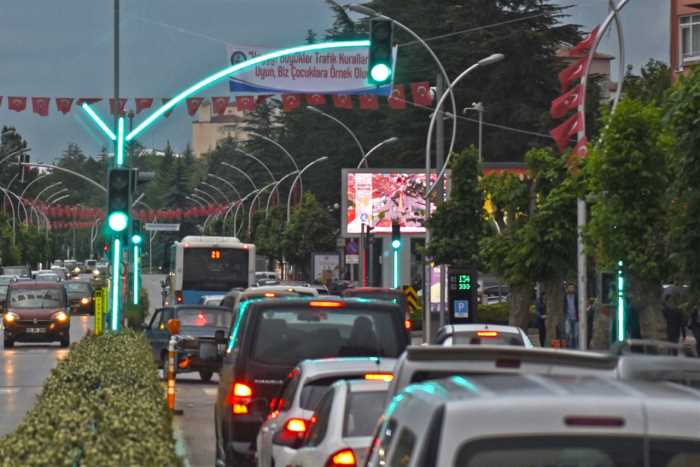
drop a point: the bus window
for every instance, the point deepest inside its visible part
(217, 270)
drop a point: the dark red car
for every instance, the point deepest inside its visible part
(36, 311)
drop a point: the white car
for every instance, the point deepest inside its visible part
(539, 421)
(303, 388)
(482, 334)
(343, 423)
(211, 300)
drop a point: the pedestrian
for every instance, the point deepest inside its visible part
(541, 319)
(694, 325)
(571, 316)
(674, 321)
(590, 318)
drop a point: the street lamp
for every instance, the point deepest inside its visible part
(391, 140)
(195, 201)
(208, 195)
(256, 159)
(340, 122)
(225, 182)
(217, 189)
(282, 148)
(201, 199)
(298, 178)
(252, 204)
(58, 192)
(276, 188)
(478, 107)
(242, 172)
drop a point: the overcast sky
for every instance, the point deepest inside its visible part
(57, 48)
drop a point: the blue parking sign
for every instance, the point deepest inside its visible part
(461, 308)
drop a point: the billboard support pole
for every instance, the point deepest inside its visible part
(363, 258)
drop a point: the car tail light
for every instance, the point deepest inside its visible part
(407, 324)
(240, 398)
(487, 333)
(293, 432)
(270, 295)
(344, 457)
(609, 422)
(178, 296)
(325, 304)
(84, 300)
(388, 377)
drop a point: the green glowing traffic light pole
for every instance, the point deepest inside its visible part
(118, 221)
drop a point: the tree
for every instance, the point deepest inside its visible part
(456, 224)
(652, 85)
(628, 177)
(269, 233)
(310, 230)
(179, 187)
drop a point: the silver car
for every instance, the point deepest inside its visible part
(482, 334)
(303, 388)
(341, 432)
(539, 421)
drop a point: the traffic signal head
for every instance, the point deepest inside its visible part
(136, 235)
(119, 201)
(395, 235)
(381, 33)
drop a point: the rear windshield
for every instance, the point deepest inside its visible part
(287, 336)
(36, 298)
(362, 412)
(77, 287)
(312, 391)
(203, 317)
(473, 338)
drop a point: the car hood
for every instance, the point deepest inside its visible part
(34, 313)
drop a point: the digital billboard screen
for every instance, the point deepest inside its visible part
(377, 198)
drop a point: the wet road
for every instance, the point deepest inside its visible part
(24, 369)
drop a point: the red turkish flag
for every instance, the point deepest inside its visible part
(246, 103)
(579, 152)
(219, 104)
(343, 102)
(193, 104)
(586, 44)
(290, 102)
(397, 100)
(421, 93)
(316, 99)
(63, 104)
(113, 108)
(564, 103)
(40, 105)
(143, 103)
(369, 102)
(88, 100)
(18, 104)
(572, 72)
(563, 133)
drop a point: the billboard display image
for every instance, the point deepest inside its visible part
(377, 198)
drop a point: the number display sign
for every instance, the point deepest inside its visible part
(460, 295)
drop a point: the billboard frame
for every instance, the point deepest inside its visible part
(344, 194)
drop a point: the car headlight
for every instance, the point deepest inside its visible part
(61, 317)
(10, 317)
(84, 301)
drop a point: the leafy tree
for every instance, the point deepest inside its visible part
(269, 234)
(310, 229)
(456, 224)
(179, 186)
(628, 179)
(652, 85)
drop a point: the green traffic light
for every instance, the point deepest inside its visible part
(136, 239)
(118, 221)
(396, 244)
(380, 73)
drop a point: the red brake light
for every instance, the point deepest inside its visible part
(610, 422)
(293, 433)
(240, 398)
(296, 425)
(178, 296)
(344, 457)
(201, 319)
(325, 304)
(487, 333)
(388, 377)
(242, 390)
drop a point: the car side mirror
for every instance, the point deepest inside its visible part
(220, 337)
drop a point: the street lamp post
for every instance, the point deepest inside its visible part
(391, 140)
(58, 192)
(343, 125)
(252, 204)
(276, 188)
(208, 195)
(225, 182)
(479, 107)
(203, 200)
(195, 201)
(218, 190)
(256, 159)
(242, 172)
(282, 148)
(298, 178)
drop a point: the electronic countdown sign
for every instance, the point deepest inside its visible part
(461, 295)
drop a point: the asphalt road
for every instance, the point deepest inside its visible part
(24, 369)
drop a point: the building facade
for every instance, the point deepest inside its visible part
(209, 129)
(685, 34)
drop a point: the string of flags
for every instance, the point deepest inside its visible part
(420, 93)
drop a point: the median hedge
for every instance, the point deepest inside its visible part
(103, 405)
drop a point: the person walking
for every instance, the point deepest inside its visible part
(540, 319)
(674, 321)
(571, 316)
(694, 325)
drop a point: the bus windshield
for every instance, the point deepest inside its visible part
(214, 269)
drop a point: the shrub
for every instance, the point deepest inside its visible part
(103, 405)
(136, 314)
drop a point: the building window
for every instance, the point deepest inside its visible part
(690, 37)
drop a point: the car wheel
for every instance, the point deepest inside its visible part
(65, 342)
(205, 375)
(9, 343)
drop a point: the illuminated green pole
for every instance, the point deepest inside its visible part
(116, 282)
(397, 246)
(620, 303)
(136, 278)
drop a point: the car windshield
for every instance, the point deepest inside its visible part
(203, 317)
(487, 337)
(363, 411)
(287, 336)
(36, 298)
(77, 287)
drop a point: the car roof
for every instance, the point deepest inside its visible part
(34, 284)
(457, 328)
(304, 301)
(322, 367)
(279, 288)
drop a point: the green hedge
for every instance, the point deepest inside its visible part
(103, 405)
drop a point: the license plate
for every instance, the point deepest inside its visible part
(36, 330)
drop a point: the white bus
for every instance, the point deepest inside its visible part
(209, 266)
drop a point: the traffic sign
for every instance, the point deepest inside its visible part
(461, 296)
(162, 227)
(411, 297)
(99, 303)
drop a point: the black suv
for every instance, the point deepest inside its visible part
(268, 338)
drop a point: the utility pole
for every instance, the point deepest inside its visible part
(439, 162)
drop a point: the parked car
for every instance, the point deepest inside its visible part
(342, 426)
(36, 312)
(80, 297)
(539, 421)
(482, 334)
(268, 338)
(202, 336)
(300, 393)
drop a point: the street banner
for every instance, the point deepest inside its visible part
(341, 71)
(99, 303)
(162, 227)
